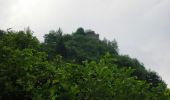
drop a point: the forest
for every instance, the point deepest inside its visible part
(74, 66)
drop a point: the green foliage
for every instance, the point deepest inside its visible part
(72, 67)
(103, 81)
(19, 40)
(23, 73)
(85, 45)
(80, 31)
(77, 47)
(54, 44)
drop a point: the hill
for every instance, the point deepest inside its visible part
(72, 66)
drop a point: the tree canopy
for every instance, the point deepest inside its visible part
(77, 66)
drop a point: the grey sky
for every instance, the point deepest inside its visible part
(141, 27)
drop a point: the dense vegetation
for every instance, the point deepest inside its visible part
(77, 66)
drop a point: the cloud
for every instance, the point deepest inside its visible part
(5, 6)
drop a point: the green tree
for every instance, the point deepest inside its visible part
(104, 81)
(72, 67)
(54, 44)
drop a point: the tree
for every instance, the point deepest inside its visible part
(80, 31)
(54, 44)
(66, 67)
(19, 40)
(104, 81)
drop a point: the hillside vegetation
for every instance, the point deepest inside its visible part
(76, 66)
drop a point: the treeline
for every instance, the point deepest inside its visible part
(76, 66)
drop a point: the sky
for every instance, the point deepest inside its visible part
(141, 27)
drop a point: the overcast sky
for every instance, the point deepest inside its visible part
(141, 27)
